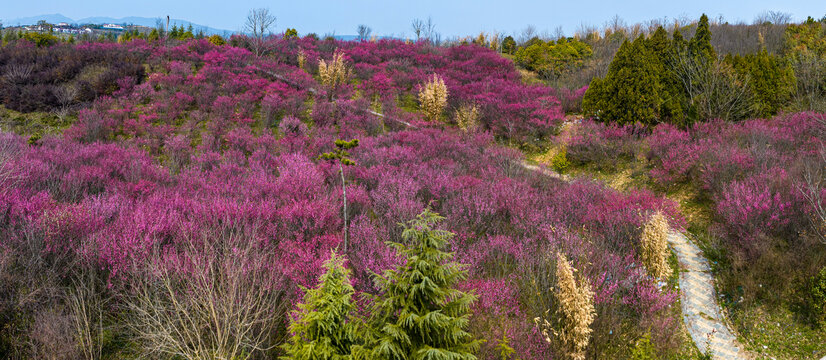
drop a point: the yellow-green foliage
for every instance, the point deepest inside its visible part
(575, 312)
(654, 246)
(552, 58)
(560, 161)
(643, 349)
(467, 118)
(433, 98)
(217, 40)
(817, 292)
(40, 39)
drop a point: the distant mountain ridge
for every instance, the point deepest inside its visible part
(129, 20)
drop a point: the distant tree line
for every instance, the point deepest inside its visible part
(661, 78)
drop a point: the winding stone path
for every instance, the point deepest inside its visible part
(701, 313)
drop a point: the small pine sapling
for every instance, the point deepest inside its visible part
(323, 328)
(341, 155)
(420, 314)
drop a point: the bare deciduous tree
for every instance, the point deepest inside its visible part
(364, 32)
(258, 25)
(418, 28)
(429, 31)
(773, 17)
(527, 34)
(713, 87)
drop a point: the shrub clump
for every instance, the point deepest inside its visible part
(575, 313)
(467, 118)
(433, 98)
(817, 293)
(654, 246)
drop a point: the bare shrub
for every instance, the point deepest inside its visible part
(433, 98)
(214, 296)
(10, 147)
(33, 324)
(654, 246)
(713, 87)
(18, 73)
(86, 304)
(51, 337)
(814, 177)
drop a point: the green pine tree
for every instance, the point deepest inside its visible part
(323, 327)
(673, 98)
(509, 45)
(678, 43)
(631, 91)
(771, 80)
(420, 314)
(700, 44)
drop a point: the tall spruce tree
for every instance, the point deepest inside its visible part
(323, 327)
(420, 314)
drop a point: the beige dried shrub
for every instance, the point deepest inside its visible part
(654, 246)
(575, 312)
(467, 118)
(334, 73)
(433, 98)
(302, 58)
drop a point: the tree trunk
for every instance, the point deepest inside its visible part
(344, 192)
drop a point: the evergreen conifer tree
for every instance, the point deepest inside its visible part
(323, 327)
(630, 92)
(420, 314)
(700, 44)
(678, 43)
(663, 54)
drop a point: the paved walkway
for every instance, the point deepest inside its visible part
(701, 314)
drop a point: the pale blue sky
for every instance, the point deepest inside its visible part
(392, 17)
